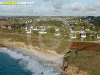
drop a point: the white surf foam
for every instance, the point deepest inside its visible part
(31, 64)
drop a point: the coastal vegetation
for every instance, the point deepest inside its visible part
(84, 53)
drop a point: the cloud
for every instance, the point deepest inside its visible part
(77, 6)
(92, 9)
(78, 9)
(55, 8)
(16, 9)
(56, 4)
(37, 4)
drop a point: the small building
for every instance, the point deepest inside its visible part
(83, 34)
(26, 22)
(92, 34)
(31, 27)
(28, 31)
(57, 32)
(72, 31)
(42, 31)
(10, 27)
(26, 28)
(87, 29)
(30, 20)
(35, 28)
(98, 36)
(3, 26)
(22, 27)
(73, 36)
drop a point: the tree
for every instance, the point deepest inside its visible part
(51, 30)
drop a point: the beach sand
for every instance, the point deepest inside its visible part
(46, 57)
(53, 60)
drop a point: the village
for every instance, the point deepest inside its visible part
(79, 28)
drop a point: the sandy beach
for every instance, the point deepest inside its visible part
(47, 58)
(53, 60)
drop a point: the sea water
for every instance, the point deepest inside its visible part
(14, 63)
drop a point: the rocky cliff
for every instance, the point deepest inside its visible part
(72, 70)
(9, 43)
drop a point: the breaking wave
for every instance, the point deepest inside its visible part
(30, 64)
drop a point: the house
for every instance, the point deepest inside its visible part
(49, 26)
(98, 36)
(35, 28)
(73, 36)
(30, 20)
(72, 31)
(26, 28)
(31, 27)
(26, 22)
(87, 29)
(83, 34)
(22, 27)
(57, 31)
(10, 27)
(92, 34)
(28, 31)
(3, 26)
(42, 31)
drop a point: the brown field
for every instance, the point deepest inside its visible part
(85, 46)
(87, 58)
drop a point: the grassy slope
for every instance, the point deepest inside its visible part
(85, 60)
(48, 40)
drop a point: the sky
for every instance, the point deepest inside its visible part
(52, 8)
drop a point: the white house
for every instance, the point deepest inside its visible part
(83, 34)
(72, 31)
(92, 34)
(10, 27)
(31, 27)
(57, 31)
(42, 31)
(98, 36)
(87, 29)
(26, 22)
(3, 26)
(28, 31)
(30, 20)
(35, 28)
(26, 28)
(73, 36)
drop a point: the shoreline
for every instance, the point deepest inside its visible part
(53, 60)
(47, 58)
(49, 63)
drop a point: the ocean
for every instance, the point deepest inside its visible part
(14, 63)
